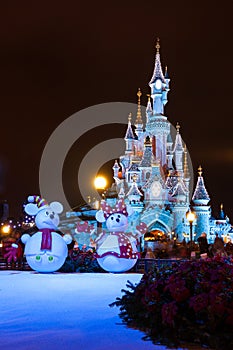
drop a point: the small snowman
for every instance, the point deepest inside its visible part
(117, 251)
(46, 250)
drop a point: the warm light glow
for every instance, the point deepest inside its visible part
(190, 216)
(100, 182)
(6, 229)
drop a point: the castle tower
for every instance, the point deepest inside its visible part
(202, 209)
(157, 126)
(159, 85)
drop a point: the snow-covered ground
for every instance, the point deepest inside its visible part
(64, 311)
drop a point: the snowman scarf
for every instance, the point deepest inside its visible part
(46, 241)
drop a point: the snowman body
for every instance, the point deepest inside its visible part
(46, 250)
(45, 260)
(116, 252)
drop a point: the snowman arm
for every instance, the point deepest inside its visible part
(25, 238)
(101, 237)
(141, 229)
(83, 226)
(67, 238)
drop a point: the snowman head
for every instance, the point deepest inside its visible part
(116, 217)
(117, 222)
(46, 214)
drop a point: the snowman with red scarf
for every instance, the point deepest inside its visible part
(46, 250)
(117, 252)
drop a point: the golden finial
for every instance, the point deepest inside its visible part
(139, 94)
(139, 115)
(221, 206)
(148, 95)
(130, 117)
(200, 170)
(178, 128)
(157, 46)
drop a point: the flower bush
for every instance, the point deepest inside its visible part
(190, 301)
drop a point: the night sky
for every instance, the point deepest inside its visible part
(59, 57)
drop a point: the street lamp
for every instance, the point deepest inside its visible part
(100, 183)
(190, 216)
(6, 229)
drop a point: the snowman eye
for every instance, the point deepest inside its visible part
(50, 258)
(47, 213)
(118, 216)
(38, 258)
(112, 218)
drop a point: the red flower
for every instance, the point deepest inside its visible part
(178, 290)
(199, 302)
(218, 304)
(229, 319)
(169, 311)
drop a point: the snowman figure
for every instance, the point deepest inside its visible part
(117, 251)
(46, 250)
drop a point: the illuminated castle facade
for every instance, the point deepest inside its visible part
(153, 174)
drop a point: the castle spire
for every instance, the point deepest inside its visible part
(178, 141)
(158, 73)
(149, 110)
(186, 168)
(200, 196)
(139, 114)
(222, 215)
(129, 132)
(166, 76)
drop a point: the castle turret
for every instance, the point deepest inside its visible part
(134, 194)
(201, 207)
(129, 137)
(222, 215)
(116, 168)
(178, 151)
(169, 152)
(149, 110)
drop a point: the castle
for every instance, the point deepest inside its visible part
(154, 175)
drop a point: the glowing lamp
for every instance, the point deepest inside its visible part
(190, 216)
(6, 229)
(100, 182)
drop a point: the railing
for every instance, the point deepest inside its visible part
(144, 265)
(21, 265)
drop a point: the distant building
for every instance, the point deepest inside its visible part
(4, 210)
